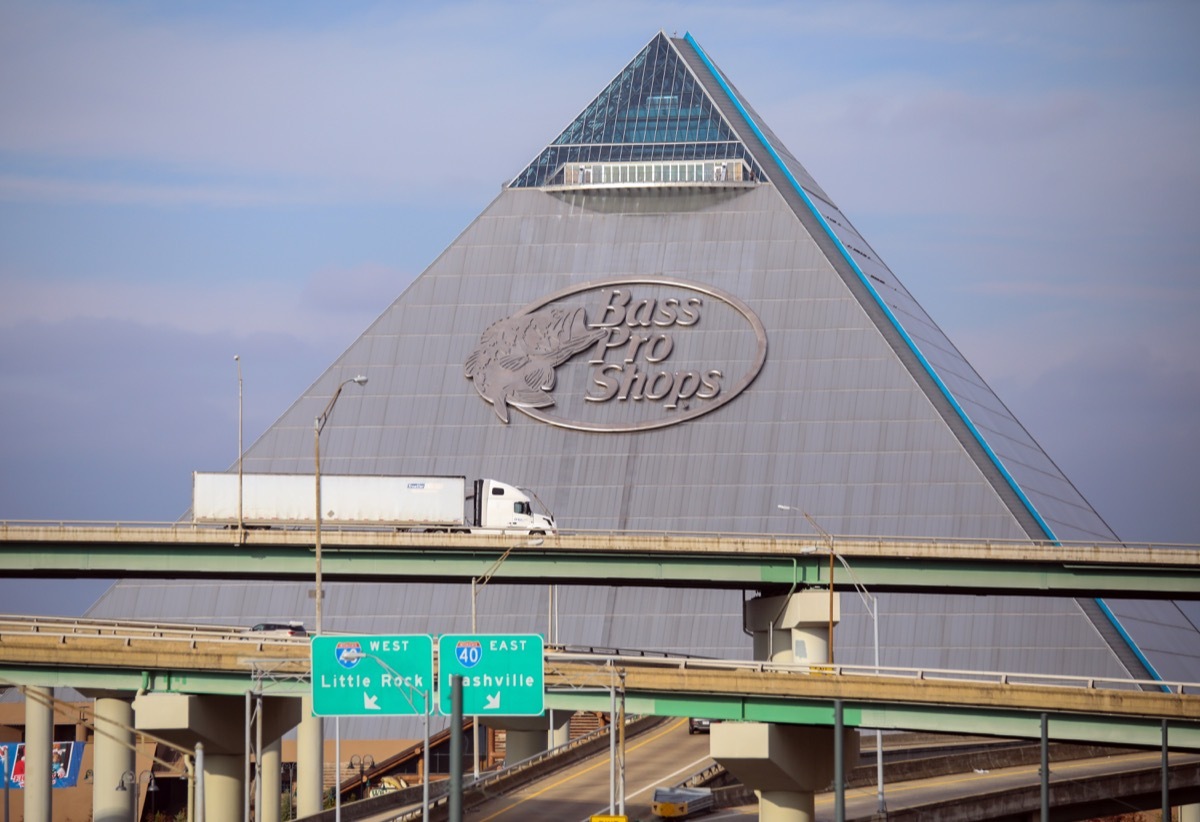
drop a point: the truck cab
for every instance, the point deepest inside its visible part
(505, 508)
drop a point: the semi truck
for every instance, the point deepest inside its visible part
(430, 504)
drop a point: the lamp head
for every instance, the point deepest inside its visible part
(359, 380)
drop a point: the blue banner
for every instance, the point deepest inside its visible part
(64, 765)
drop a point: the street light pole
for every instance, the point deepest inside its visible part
(475, 589)
(363, 763)
(829, 543)
(319, 424)
(352, 655)
(237, 359)
(872, 605)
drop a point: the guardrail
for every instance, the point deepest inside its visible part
(914, 674)
(82, 628)
(843, 543)
(607, 658)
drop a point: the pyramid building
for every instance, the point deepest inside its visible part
(663, 323)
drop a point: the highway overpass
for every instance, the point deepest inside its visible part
(117, 656)
(184, 551)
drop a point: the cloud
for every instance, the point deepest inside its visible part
(107, 418)
(348, 109)
(332, 306)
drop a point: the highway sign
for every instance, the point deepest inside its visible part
(503, 674)
(372, 675)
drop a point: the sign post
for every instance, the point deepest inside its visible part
(503, 674)
(371, 675)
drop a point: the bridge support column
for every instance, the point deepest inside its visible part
(39, 738)
(785, 764)
(112, 756)
(793, 628)
(218, 722)
(310, 760)
(272, 760)
(795, 806)
(223, 791)
(526, 736)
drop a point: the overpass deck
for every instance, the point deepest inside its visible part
(182, 551)
(1099, 711)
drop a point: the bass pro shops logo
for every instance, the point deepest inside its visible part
(651, 352)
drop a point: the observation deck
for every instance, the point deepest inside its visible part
(652, 174)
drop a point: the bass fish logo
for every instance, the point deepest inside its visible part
(516, 357)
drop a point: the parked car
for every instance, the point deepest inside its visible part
(280, 629)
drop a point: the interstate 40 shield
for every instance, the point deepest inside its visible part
(503, 674)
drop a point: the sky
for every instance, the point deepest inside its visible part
(181, 183)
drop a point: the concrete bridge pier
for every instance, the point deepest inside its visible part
(223, 786)
(39, 739)
(112, 757)
(272, 783)
(785, 764)
(310, 760)
(526, 736)
(219, 723)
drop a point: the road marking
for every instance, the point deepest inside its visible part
(603, 763)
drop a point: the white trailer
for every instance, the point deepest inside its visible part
(404, 503)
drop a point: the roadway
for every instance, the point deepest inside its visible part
(662, 756)
(132, 656)
(762, 562)
(666, 755)
(129, 656)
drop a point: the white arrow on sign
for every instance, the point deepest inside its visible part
(493, 702)
(370, 702)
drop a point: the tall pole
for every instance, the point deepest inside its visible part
(337, 769)
(319, 424)
(1166, 774)
(871, 603)
(317, 523)
(477, 584)
(1044, 771)
(839, 764)
(425, 766)
(881, 807)
(612, 750)
(246, 760)
(425, 696)
(238, 360)
(475, 720)
(829, 542)
(199, 802)
(831, 595)
(456, 784)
